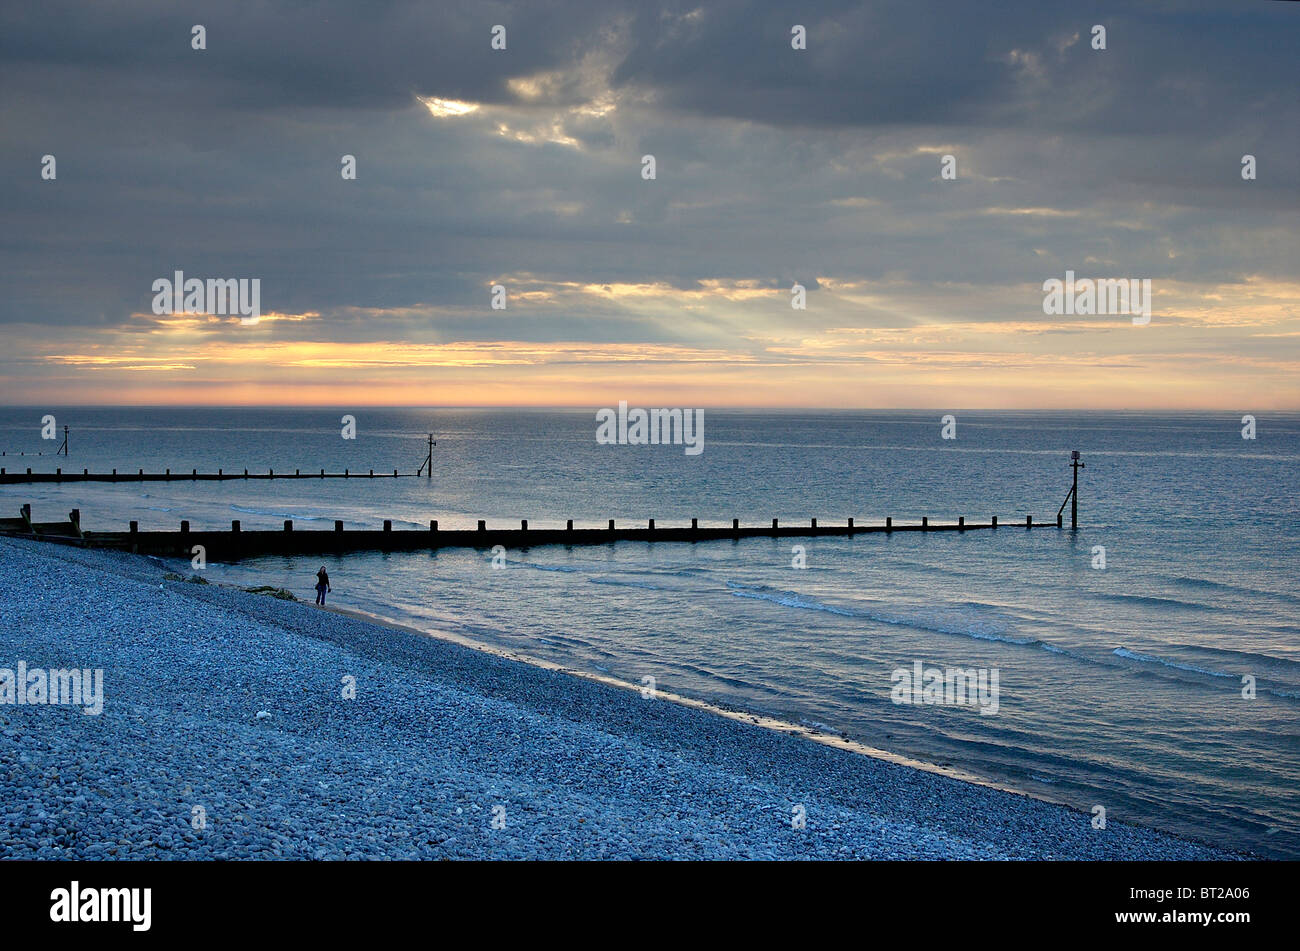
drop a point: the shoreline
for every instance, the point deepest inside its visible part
(443, 733)
(834, 740)
(784, 727)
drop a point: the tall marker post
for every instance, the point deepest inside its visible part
(1076, 465)
(428, 460)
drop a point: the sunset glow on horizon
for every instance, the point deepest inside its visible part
(649, 225)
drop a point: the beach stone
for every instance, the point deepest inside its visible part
(583, 770)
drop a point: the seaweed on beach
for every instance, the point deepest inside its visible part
(274, 592)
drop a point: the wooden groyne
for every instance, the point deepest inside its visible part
(236, 543)
(194, 475)
(425, 470)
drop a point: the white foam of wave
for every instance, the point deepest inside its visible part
(297, 518)
(925, 620)
(626, 584)
(1148, 659)
(1191, 668)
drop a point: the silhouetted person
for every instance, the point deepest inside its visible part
(322, 584)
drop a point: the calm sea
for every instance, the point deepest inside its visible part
(1119, 687)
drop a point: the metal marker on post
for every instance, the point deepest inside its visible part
(1076, 465)
(428, 460)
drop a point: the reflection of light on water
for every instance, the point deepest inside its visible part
(818, 645)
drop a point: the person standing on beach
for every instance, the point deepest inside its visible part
(322, 584)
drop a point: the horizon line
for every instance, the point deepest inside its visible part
(584, 407)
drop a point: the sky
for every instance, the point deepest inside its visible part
(773, 166)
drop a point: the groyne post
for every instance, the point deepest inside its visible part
(428, 461)
(1076, 465)
(253, 543)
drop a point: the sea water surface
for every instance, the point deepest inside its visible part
(1125, 687)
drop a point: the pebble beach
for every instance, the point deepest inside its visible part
(240, 726)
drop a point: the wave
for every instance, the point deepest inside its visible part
(927, 620)
(1153, 600)
(598, 567)
(685, 571)
(1148, 659)
(1291, 694)
(626, 584)
(820, 727)
(1252, 657)
(297, 518)
(788, 599)
(1234, 588)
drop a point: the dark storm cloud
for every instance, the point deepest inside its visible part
(261, 55)
(1013, 64)
(774, 165)
(876, 63)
